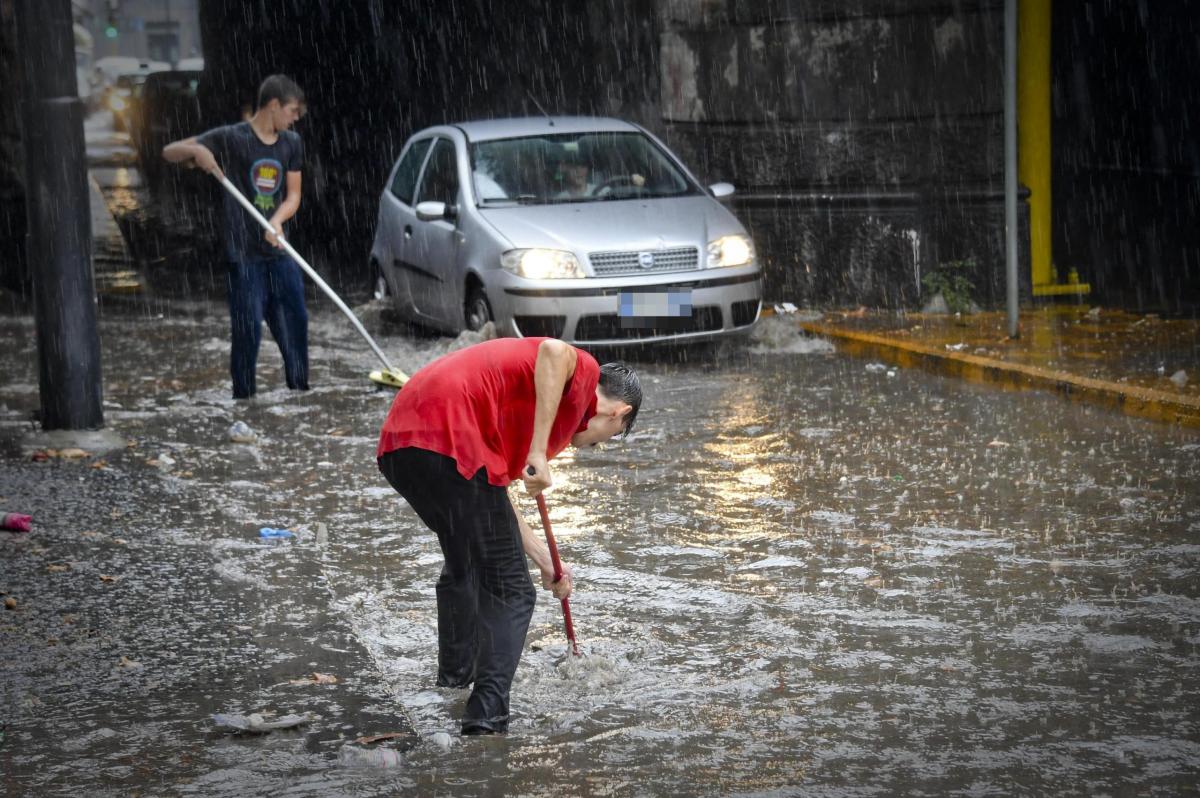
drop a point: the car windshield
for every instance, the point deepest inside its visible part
(575, 167)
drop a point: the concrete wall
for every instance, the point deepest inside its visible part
(865, 136)
(1126, 155)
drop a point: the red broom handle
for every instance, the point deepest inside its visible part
(566, 605)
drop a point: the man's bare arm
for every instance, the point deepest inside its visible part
(555, 365)
(534, 544)
(286, 210)
(189, 151)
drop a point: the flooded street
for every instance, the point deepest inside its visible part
(802, 574)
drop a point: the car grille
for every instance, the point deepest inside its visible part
(614, 328)
(549, 326)
(678, 259)
(744, 312)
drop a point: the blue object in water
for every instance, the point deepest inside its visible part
(268, 532)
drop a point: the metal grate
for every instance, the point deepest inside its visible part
(678, 259)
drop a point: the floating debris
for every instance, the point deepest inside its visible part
(256, 723)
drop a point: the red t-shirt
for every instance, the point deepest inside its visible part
(476, 405)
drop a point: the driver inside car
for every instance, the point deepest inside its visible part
(574, 176)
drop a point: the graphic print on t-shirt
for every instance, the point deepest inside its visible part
(266, 177)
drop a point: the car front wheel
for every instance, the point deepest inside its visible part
(379, 285)
(477, 311)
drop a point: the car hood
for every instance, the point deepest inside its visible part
(615, 224)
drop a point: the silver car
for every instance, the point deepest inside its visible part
(584, 229)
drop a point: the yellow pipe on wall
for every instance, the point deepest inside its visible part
(1034, 143)
(1033, 129)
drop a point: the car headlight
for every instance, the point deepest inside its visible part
(730, 251)
(116, 103)
(542, 264)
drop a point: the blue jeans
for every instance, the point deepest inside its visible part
(270, 288)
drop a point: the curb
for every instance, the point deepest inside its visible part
(1127, 399)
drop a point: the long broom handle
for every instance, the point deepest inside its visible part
(309, 270)
(566, 605)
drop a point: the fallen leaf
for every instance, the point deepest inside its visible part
(997, 443)
(374, 738)
(100, 464)
(126, 662)
(120, 541)
(337, 432)
(10, 603)
(874, 581)
(57, 569)
(73, 453)
(316, 678)
(107, 578)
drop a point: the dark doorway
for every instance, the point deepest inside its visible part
(1126, 162)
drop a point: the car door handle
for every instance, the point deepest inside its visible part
(408, 231)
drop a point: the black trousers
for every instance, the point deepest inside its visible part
(485, 597)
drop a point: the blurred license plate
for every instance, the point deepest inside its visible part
(672, 304)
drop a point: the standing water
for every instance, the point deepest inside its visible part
(802, 574)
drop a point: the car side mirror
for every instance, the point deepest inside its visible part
(720, 190)
(431, 211)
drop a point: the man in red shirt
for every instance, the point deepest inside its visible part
(458, 433)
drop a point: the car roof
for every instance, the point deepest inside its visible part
(490, 129)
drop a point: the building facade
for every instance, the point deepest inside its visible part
(151, 30)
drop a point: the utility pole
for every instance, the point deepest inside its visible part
(1012, 284)
(59, 242)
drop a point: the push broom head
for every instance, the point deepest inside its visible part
(389, 378)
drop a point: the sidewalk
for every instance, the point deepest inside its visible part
(1140, 365)
(111, 168)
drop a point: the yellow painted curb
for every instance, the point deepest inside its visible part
(1131, 400)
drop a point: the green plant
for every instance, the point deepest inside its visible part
(951, 281)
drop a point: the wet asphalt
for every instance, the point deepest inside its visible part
(805, 574)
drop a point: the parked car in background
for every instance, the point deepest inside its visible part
(167, 109)
(123, 98)
(106, 69)
(584, 229)
(119, 81)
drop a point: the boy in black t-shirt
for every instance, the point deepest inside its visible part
(263, 158)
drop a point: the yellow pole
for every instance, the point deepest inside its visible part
(1033, 132)
(1034, 143)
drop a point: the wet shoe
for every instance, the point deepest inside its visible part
(459, 679)
(481, 727)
